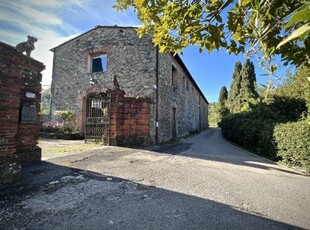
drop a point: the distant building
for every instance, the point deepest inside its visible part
(152, 99)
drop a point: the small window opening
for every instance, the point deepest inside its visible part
(99, 63)
(174, 76)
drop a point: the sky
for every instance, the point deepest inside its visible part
(56, 21)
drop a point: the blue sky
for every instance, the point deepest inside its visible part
(55, 21)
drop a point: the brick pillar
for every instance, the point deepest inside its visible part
(29, 122)
(129, 119)
(9, 112)
(116, 115)
(20, 83)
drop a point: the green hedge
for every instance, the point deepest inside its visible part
(253, 130)
(293, 143)
(260, 131)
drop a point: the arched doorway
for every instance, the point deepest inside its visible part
(97, 117)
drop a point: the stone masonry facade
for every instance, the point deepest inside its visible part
(175, 104)
(20, 88)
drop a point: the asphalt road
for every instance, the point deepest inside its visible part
(201, 183)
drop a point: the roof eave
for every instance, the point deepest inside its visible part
(181, 63)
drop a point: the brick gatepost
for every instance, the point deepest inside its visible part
(129, 119)
(20, 96)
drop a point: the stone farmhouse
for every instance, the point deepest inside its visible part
(122, 90)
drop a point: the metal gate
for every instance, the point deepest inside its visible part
(98, 117)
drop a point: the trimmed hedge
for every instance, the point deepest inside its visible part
(293, 143)
(253, 130)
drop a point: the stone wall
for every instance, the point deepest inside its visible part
(130, 58)
(177, 92)
(20, 86)
(134, 61)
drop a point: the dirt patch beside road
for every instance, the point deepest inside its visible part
(54, 148)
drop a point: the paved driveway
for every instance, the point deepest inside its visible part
(201, 183)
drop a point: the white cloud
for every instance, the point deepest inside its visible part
(50, 3)
(43, 54)
(17, 12)
(54, 22)
(41, 17)
(24, 18)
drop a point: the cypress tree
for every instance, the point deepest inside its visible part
(248, 81)
(223, 95)
(235, 85)
(222, 109)
(253, 84)
(248, 94)
(243, 90)
(245, 85)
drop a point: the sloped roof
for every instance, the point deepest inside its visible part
(96, 27)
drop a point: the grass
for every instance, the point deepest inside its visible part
(56, 149)
(73, 148)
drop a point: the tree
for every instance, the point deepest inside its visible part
(243, 91)
(222, 109)
(45, 101)
(235, 85)
(223, 95)
(213, 116)
(248, 80)
(296, 86)
(266, 28)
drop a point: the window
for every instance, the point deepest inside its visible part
(99, 63)
(174, 76)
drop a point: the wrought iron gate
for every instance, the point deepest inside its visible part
(98, 117)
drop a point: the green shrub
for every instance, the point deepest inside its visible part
(293, 143)
(287, 108)
(68, 119)
(253, 130)
(65, 115)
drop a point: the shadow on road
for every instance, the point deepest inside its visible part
(88, 200)
(210, 145)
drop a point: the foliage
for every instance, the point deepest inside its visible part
(248, 80)
(64, 115)
(251, 26)
(297, 85)
(234, 90)
(243, 91)
(288, 108)
(223, 95)
(292, 141)
(68, 119)
(213, 116)
(252, 129)
(45, 101)
(221, 106)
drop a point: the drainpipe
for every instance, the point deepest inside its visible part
(157, 96)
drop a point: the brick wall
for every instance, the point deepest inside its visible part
(129, 119)
(20, 82)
